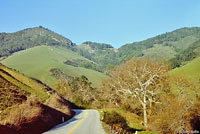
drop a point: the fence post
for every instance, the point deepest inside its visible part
(63, 119)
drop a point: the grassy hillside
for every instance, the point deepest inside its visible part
(159, 52)
(38, 61)
(191, 70)
(168, 45)
(21, 82)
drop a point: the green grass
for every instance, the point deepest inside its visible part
(38, 61)
(184, 42)
(191, 70)
(24, 82)
(159, 51)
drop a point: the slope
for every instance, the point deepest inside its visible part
(191, 70)
(28, 38)
(26, 105)
(186, 55)
(38, 62)
(20, 81)
(167, 46)
(100, 53)
(173, 42)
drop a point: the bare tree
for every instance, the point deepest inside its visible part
(138, 79)
(64, 89)
(83, 87)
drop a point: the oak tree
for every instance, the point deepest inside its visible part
(139, 79)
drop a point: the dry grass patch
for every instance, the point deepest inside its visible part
(59, 103)
(19, 114)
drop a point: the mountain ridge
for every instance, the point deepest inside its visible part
(30, 37)
(102, 56)
(163, 46)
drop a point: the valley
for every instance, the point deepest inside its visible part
(99, 67)
(52, 75)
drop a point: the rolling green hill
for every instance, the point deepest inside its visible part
(38, 62)
(168, 45)
(191, 70)
(59, 57)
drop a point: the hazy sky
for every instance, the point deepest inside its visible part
(116, 22)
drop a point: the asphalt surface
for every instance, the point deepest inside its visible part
(84, 122)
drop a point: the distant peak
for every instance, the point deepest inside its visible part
(99, 44)
(41, 27)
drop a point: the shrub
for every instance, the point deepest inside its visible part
(117, 123)
(114, 118)
(79, 101)
(176, 114)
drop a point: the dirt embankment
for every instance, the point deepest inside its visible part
(33, 117)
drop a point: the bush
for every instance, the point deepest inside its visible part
(176, 114)
(114, 118)
(117, 123)
(133, 109)
(78, 100)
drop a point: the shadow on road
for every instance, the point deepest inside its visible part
(78, 111)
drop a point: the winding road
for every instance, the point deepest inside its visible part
(84, 122)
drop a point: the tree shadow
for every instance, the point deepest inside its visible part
(47, 119)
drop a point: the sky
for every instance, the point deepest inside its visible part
(116, 22)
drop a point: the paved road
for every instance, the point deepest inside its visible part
(84, 122)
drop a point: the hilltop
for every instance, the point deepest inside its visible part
(28, 38)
